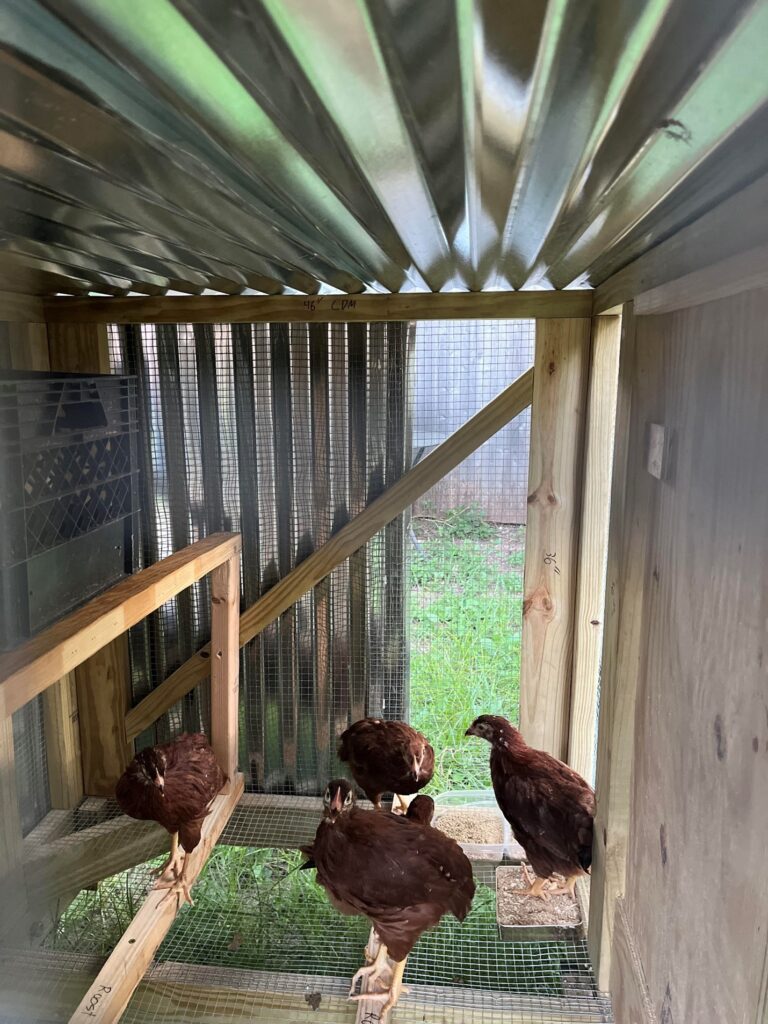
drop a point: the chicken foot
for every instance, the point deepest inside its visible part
(373, 970)
(536, 886)
(178, 887)
(569, 888)
(389, 997)
(403, 803)
(172, 868)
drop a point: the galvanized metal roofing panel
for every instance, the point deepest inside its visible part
(385, 145)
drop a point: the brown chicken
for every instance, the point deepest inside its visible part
(400, 874)
(421, 809)
(173, 785)
(549, 806)
(386, 757)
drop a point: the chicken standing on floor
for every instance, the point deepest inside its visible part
(399, 873)
(173, 785)
(549, 806)
(386, 757)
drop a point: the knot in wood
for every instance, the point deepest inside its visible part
(544, 496)
(539, 603)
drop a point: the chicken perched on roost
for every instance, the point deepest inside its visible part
(399, 873)
(174, 785)
(548, 805)
(386, 757)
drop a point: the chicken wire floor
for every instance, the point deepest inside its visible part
(263, 944)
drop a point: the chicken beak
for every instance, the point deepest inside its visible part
(336, 803)
(160, 783)
(470, 731)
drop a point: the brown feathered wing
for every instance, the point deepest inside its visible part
(193, 778)
(549, 806)
(380, 754)
(402, 875)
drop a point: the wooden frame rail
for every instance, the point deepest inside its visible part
(37, 664)
(42, 661)
(490, 419)
(228, 309)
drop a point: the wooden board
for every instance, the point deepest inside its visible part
(740, 273)
(36, 664)
(729, 229)
(23, 346)
(631, 1002)
(623, 644)
(103, 697)
(321, 562)
(699, 830)
(551, 541)
(79, 348)
(21, 308)
(593, 543)
(228, 309)
(225, 663)
(62, 743)
(44, 986)
(81, 859)
(10, 830)
(109, 993)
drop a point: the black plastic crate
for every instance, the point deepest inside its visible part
(68, 493)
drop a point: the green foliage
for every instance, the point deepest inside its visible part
(255, 911)
(466, 611)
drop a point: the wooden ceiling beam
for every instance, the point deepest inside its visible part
(212, 309)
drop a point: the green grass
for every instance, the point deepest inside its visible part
(466, 607)
(255, 911)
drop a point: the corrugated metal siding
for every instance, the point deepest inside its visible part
(280, 433)
(151, 145)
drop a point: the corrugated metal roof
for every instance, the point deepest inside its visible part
(390, 145)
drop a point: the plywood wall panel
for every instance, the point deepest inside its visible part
(697, 900)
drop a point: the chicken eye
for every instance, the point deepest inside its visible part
(348, 799)
(327, 797)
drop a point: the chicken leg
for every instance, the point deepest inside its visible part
(536, 886)
(403, 803)
(171, 870)
(569, 887)
(372, 971)
(178, 887)
(389, 997)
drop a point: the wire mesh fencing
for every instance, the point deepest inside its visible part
(283, 433)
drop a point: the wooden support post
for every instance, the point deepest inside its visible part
(103, 682)
(10, 822)
(225, 663)
(62, 743)
(554, 476)
(622, 653)
(109, 994)
(593, 542)
(321, 562)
